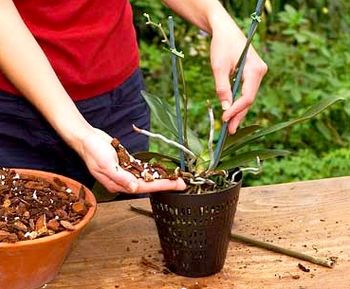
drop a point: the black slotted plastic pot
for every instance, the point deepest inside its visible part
(194, 229)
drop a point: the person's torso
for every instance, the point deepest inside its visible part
(91, 44)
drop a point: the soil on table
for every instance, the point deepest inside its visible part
(32, 207)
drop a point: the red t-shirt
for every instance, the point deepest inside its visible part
(91, 44)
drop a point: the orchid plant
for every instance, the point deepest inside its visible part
(207, 168)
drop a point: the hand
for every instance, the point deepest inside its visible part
(226, 47)
(102, 162)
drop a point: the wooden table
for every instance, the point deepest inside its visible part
(312, 217)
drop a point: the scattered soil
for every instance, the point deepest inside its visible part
(198, 286)
(151, 265)
(148, 172)
(334, 259)
(31, 207)
(303, 268)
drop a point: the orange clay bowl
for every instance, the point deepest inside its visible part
(33, 263)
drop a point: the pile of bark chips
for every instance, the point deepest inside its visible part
(32, 207)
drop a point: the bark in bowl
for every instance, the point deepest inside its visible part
(30, 264)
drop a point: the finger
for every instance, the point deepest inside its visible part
(252, 81)
(222, 85)
(125, 179)
(109, 185)
(119, 177)
(237, 107)
(234, 122)
(161, 186)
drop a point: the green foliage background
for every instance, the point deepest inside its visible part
(306, 46)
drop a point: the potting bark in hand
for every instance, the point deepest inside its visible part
(147, 171)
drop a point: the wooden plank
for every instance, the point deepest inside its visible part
(311, 217)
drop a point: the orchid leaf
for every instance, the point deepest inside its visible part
(310, 113)
(165, 116)
(162, 112)
(203, 161)
(243, 159)
(240, 133)
(147, 156)
(193, 142)
(169, 162)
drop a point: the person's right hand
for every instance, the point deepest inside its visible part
(227, 44)
(102, 161)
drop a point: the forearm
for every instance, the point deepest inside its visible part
(25, 65)
(208, 15)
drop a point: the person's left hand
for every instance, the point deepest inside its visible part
(226, 47)
(101, 159)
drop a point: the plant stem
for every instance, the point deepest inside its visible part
(284, 251)
(176, 89)
(141, 211)
(211, 133)
(158, 26)
(163, 138)
(237, 79)
(185, 100)
(257, 243)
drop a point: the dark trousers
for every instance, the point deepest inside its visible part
(28, 141)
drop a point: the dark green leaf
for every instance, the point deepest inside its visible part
(102, 194)
(165, 117)
(243, 159)
(240, 133)
(193, 142)
(311, 112)
(162, 112)
(147, 156)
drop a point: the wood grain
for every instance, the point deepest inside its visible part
(312, 217)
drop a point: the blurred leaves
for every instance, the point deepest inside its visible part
(304, 165)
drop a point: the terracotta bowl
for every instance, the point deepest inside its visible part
(33, 263)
